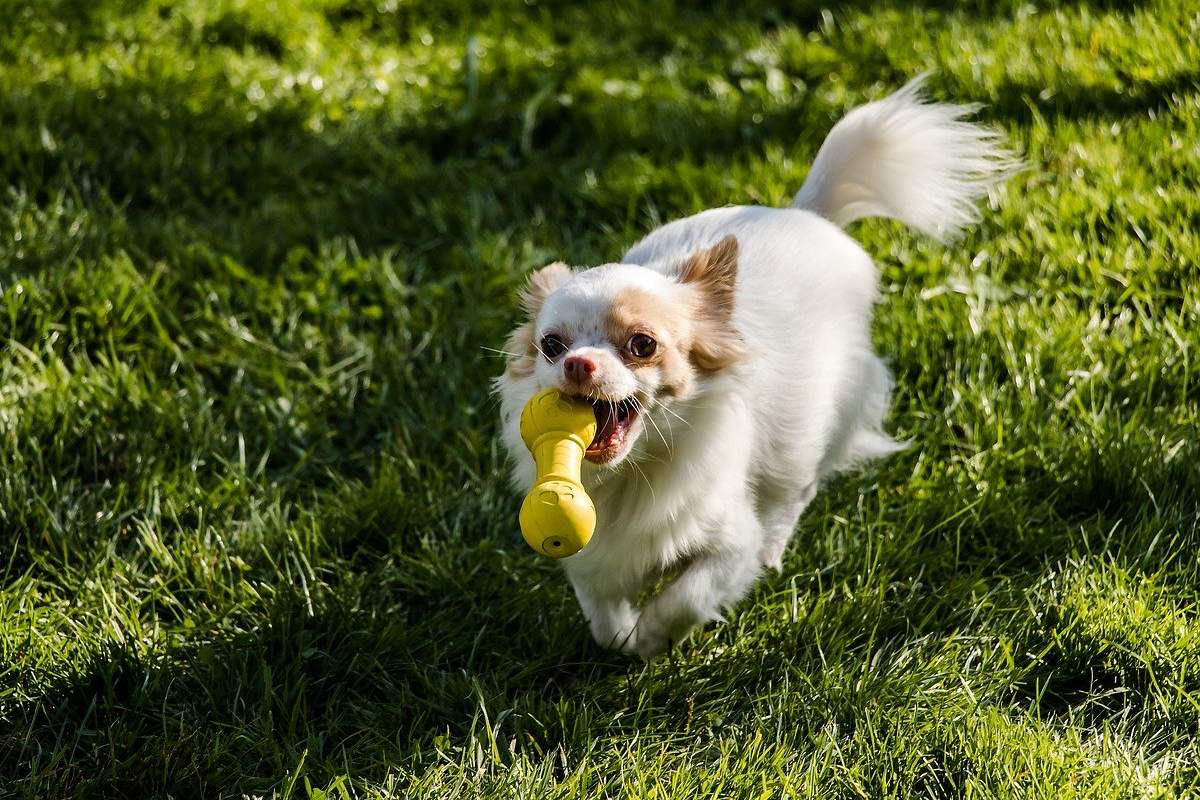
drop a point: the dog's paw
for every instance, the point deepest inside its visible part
(648, 647)
(771, 554)
(653, 634)
(616, 629)
(623, 641)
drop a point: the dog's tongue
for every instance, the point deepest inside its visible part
(613, 420)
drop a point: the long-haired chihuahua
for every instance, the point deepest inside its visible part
(728, 359)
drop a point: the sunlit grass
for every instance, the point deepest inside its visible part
(255, 536)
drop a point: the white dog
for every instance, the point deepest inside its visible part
(728, 359)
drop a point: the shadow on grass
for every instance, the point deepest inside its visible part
(219, 171)
(361, 682)
(1138, 97)
(404, 660)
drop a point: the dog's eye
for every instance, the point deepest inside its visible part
(641, 345)
(552, 346)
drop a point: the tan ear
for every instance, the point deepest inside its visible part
(520, 346)
(714, 273)
(716, 347)
(520, 351)
(540, 284)
(716, 344)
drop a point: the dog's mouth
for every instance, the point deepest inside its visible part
(614, 419)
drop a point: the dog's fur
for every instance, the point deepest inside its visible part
(763, 380)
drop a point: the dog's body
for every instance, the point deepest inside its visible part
(729, 358)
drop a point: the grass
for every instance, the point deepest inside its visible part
(255, 537)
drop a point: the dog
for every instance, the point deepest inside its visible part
(729, 363)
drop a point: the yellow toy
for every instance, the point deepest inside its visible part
(557, 517)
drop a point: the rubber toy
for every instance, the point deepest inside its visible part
(557, 516)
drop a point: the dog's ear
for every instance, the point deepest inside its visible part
(519, 351)
(714, 273)
(520, 345)
(540, 284)
(716, 344)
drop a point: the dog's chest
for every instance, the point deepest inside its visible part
(644, 527)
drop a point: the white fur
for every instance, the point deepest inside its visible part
(715, 482)
(906, 159)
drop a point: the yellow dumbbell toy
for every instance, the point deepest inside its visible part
(557, 517)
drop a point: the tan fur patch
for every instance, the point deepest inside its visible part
(714, 272)
(520, 345)
(637, 311)
(540, 284)
(520, 351)
(717, 349)
(715, 344)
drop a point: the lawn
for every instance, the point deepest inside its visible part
(255, 535)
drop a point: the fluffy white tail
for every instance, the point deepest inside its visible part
(908, 159)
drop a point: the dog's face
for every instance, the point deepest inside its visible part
(626, 338)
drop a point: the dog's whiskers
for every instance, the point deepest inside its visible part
(499, 352)
(670, 446)
(645, 478)
(675, 415)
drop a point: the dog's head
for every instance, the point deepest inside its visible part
(626, 338)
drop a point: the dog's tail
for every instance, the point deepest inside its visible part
(908, 159)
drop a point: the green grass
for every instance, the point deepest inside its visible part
(255, 537)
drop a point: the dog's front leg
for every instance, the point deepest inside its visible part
(607, 609)
(712, 582)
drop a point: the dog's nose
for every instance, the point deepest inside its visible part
(578, 368)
